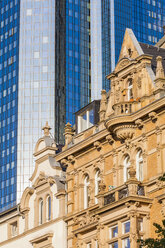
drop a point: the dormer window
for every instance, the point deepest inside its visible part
(85, 120)
(88, 116)
(130, 89)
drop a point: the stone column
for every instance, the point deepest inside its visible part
(133, 230)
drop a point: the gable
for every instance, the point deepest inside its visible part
(130, 47)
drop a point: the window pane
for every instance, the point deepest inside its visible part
(126, 227)
(126, 243)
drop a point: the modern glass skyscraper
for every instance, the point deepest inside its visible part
(54, 56)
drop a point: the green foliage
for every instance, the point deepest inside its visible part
(159, 242)
(162, 178)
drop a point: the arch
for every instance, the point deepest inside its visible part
(86, 191)
(97, 181)
(26, 197)
(48, 207)
(126, 164)
(41, 213)
(139, 165)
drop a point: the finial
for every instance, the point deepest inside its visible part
(68, 133)
(46, 129)
(132, 173)
(159, 68)
(68, 128)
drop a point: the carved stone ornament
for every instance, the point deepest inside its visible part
(71, 159)
(153, 116)
(88, 219)
(97, 144)
(102, 187)
(64, 163)
(123, 63)
(124, 132)
(139, 123)
(139, 82)
(110, 139)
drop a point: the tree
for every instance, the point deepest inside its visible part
(162, 178)
(159, 242)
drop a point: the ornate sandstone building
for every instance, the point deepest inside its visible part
(113, 191)
(112, 161)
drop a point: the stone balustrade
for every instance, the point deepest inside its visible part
(121, 193)
(124, 108)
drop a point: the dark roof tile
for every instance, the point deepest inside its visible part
(154, 51)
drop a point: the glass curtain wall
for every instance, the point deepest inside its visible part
(9, 61)
(36, 81)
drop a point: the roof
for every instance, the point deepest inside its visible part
(160, 42)
(154, 51)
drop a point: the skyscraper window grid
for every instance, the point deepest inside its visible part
(9, 59)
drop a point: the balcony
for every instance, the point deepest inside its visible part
(124, 108)
(121, 123)
(121, 193)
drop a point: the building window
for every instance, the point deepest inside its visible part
(85, 120)
(86, 191)
(126, 227)
(140, 224)
(48, 208)
(14, 229)
(126, 168)
(97, 181)
(89, 245)
(126, 243)
(130, 89)
(139, 165)
(41, 211)
(113, 231)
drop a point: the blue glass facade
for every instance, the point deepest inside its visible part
(77, 56)
(146, 18)
(9, 61)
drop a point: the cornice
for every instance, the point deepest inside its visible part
(81, 145)
(32, 230)
(112, 121)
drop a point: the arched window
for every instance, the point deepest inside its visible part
(48, 208)
(139, 165)
(41, 203)
(97, 180)
(126, 167)
(130, 89)
(86, 191)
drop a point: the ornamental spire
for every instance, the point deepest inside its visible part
(46, 129)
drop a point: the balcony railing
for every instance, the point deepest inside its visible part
(124, 108)
(109, 198)
(121, 193)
